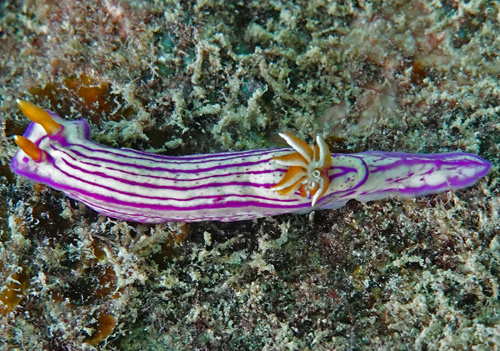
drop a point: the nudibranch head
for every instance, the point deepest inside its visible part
(34, 160)
(308, 170)
(42, 118)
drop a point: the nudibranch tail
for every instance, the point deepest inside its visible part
(30, 148)
(39, 115)
(308, 170)
(227, 186)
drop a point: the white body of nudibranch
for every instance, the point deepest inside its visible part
(228, 186)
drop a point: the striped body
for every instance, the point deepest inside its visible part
(230, 186)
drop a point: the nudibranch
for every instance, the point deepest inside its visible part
(228, 186)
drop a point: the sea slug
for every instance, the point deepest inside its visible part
(228, 186)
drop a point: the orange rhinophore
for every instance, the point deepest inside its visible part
(30, 148)
(39, 115)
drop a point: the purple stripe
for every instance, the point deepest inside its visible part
(155, 186)
(189, 179)
(167, 187)
(440, 156)
(170, 178)
(229, 204)
(348, 193)
(112, 213)
(201, 158)
(194, 157)
(344, 171)
(160, 169)
(408, 191)
(178, 217)
(328, 198)
(155, 157)
(411, 160)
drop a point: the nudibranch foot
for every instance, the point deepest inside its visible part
(227, 186)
